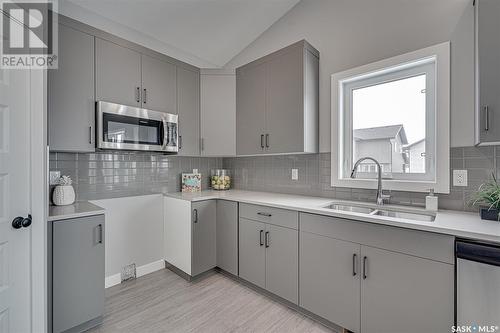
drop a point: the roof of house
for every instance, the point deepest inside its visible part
(415, 143)
(382, 132)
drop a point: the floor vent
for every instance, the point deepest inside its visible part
(128, 272)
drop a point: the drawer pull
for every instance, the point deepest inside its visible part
(264, 214)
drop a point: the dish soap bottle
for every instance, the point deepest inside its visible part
(431, 201)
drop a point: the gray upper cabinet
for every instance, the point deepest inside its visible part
(71, 124)
(118, 73)
(417, 293)
(188, 108)
(488, 71)
(250, 109)
(227, 236)
(204, 255)
(277, 102)
(158, 85)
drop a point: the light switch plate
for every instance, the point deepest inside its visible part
(54, 177)
(459, 177)
(295, 174)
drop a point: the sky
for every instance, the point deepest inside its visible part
(392, 103)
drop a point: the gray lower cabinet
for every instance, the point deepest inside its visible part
(252, 252)
(227, 236)
(158, 85)
(188, 109)
(417, 293)
(71, 123)
(330, 279)
(118, 73)
(204, 255)
(77, 273)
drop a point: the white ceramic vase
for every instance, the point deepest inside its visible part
(63, 195)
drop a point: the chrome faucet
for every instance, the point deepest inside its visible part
(380, 195)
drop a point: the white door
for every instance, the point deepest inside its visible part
(15, 251)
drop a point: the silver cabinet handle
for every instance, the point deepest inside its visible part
(267, 140)
(195, 215)
(180, 141)
(264, 214)
(354, 264)
(487, 118)
(364, 268)
(138, 94)
(90, 134)
(144, 95)
(261, 242)
(100, 234)
(267, 238)
(262, 141)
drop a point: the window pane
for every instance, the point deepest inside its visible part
(389, 125)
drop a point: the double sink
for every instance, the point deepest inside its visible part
(386, 212)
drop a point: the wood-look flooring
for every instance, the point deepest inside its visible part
(164, 302)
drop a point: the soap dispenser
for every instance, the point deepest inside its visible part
(431, 201)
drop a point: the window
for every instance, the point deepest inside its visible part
(397, 112)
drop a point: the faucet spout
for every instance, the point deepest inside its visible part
(381, 197)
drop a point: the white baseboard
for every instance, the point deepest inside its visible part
(154, 266)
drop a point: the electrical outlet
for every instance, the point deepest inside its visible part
(295, 174)
(459, 177)
(54, 177)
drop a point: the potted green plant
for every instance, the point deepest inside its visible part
(487, 198)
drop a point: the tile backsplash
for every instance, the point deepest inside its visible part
(273, 174)
(104, 175)
(116, 174)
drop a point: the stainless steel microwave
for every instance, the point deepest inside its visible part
(132, 128)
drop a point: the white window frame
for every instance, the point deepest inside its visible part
(439, 56)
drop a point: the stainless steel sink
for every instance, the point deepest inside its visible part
(376, 211)
(404, 215)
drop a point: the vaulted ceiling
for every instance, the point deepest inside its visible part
(205, 33)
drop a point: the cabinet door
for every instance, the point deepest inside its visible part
(227, 236)
(218, 114)
(188, 99)
(118, 73)
(250, 109)
(158, 85)
(418, 294)
(252, 252)
(71, 94)
(282, 262)
(77, 271)
(488, 25)
(285, 103)
(330, 279)
(204, 236)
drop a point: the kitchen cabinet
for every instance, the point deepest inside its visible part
(158, 85)
(277, 102)
(218, 112)
(487, 14)
(77, 273)
(71, 121)
(268, 251)
(371, 271)
(188, 109)
(227, 236)
(204, 236)
(330, 279)
(118, 73)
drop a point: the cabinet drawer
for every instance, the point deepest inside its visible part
(413, 242)
(276, 216)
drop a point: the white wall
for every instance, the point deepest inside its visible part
(351, 33)
(134, 232)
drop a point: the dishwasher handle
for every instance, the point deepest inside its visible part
(486, 254)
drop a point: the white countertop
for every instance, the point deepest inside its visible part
(456, 223)
(78, 209)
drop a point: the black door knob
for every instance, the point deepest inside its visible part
(27, 221)
(17, 223)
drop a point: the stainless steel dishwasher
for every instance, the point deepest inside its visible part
(478, 285)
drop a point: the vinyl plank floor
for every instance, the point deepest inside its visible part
(164, 302)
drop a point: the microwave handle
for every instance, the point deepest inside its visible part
(165, 134)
